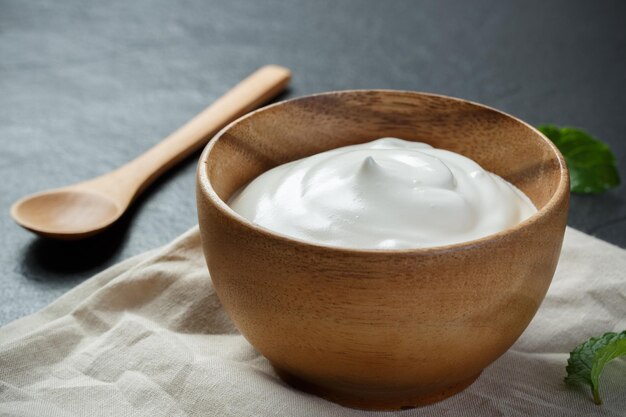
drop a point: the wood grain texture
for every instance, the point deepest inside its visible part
(381, 329)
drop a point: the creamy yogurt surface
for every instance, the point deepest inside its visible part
(386, 194)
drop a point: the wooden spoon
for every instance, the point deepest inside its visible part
(84, 209)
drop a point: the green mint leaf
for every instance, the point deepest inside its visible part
(587, 360)
(591, 163)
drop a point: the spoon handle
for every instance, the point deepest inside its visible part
(259, 87)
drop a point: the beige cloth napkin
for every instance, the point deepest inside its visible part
(148, 337)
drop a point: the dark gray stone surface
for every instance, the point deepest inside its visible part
(85, 86)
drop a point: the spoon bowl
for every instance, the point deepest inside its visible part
(66, 213)
(84, 209)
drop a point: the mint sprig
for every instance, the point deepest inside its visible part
(587, 360)
(590, 162)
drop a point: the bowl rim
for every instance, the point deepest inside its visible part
(561, 192)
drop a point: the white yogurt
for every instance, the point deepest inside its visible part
(385, 194)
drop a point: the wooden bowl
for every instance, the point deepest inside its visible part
(380, 329)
